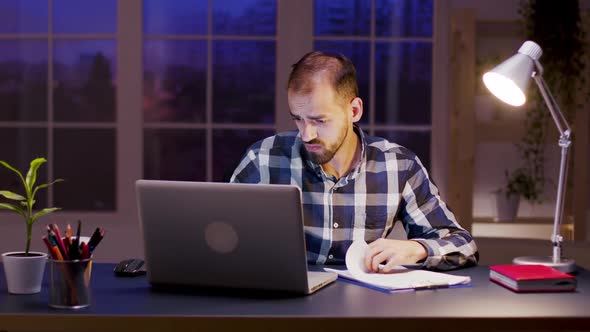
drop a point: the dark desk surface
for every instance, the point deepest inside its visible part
(131, 304)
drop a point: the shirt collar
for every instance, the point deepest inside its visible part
(320, 172)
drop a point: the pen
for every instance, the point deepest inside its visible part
(69, 234)
(94, 236)
(85, 251)
(77, 241)
(56, 254)
(70, 248)
(465, 285)
(52, 247)
(46, 241)
(60, 242)
(75, 248)
(97, 239)
(435, 286)
(49, 246)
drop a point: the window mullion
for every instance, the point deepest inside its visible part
(50, 80)
(440, 95)
(129, 120)
(294, 38)
(209, 97)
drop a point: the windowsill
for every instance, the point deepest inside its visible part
(521, 228)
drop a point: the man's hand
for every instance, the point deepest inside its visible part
(393, 253)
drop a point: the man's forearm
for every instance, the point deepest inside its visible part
(454, 250)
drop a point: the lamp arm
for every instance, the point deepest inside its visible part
(558, 110)
(556, 114)
(564, 142)
(556, 238)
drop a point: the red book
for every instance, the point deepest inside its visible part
(532, 278)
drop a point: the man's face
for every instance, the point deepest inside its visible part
(323, 121)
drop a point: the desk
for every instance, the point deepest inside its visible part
(122, 304)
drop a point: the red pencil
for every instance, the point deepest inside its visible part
(48, 244)
(85, 251)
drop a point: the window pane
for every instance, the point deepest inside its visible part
(75, 16)
(174, 80)
(360, 55)
(174, 154)
(19, 146)
(243, 81)
(84, 80)
(23, 80)
(342, 17)
(85, 159)
(403, 73)
(417, 141)
(228, 148)
(175, 17)
(244, 17)
(403, 18)
(18, 16)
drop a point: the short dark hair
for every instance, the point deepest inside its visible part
(336, 68)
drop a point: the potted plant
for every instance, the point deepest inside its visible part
(24, 269)
(520, 183)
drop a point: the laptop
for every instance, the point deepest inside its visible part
(211, 234)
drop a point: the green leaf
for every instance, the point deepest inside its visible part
(13, 208)
(26, 203)
(11, 195)
(42, 213)
(45, 185)
(32, 173)
(7, 165)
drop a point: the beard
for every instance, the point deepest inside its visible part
(327, 152)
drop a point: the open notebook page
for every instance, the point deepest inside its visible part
(400, 278)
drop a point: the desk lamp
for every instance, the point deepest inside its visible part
(508, 81)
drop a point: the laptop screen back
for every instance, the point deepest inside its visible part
(223, 234)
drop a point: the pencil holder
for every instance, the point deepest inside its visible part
(69, 285)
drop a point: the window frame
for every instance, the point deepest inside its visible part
(294, 37)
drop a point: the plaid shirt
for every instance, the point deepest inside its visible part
(389, 184)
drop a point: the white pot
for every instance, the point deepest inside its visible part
(24, 274)
(507, 206)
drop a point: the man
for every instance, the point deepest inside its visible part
(354, 186)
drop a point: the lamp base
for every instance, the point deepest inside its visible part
(564, 265)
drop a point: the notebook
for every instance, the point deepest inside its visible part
(532, 278)
(400, 278)
(232, 235)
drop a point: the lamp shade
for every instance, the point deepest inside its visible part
(509, 80)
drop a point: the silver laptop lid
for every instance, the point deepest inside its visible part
(223, 234)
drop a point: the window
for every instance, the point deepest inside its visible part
(390, 43)
(57, 96)
(111, 91)
(209, 80)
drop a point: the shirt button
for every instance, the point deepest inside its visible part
(330, 256)
(335, 225)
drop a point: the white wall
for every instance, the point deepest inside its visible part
(122, 236)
